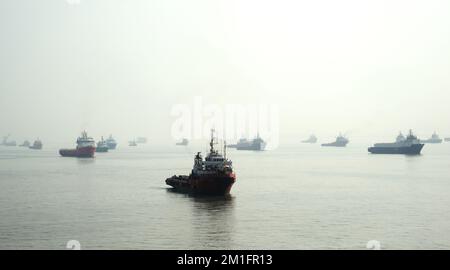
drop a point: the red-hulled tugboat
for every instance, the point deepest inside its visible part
(85, 148)
(210, 176)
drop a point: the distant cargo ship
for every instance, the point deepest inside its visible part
(5, 142)
(341, 141)
(102, 146)
(184, 142)
(434, 139)
(85, 148)
(132, 143)
(241, 142)
(257, 144)
(111, 143)
(311, 139)
(141, 140)
(408, 146)
(37, 145)
(210, 176)
(25, 144)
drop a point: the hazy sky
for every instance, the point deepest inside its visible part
(368, 68)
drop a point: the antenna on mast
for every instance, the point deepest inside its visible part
(225, 149)
(211, 144)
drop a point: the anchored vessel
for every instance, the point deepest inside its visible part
(311, 139)
(210, 176)
(132, 143)
(184, 142)
(434, 139)
(85, 147)
(26, 143)
(102, 146)
(242, 141)
(257, 144)
(111, 143)
(37, 145)
(5, 142)
(341, 141)
(141, 140)
(408, 146)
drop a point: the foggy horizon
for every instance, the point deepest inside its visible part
(368, 70)
(212, 106)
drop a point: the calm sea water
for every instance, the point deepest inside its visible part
(298, 197)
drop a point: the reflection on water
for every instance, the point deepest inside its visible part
(214, 222)
(213, 219)
(304, 197)
(84, 161)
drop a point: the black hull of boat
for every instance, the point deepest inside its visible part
(212, 185)
(411, 150)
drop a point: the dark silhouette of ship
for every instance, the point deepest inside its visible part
(406, 146)
(433, 139)
(26, 143)
(213, 175)
(102, 146)
(184, 142)
(257, 144)
(37, 145)
(341, 141)
(311, 139)
(241, 141)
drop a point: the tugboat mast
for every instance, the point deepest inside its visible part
(211, 143)
(225, 150)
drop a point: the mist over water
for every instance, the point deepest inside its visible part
(299, 197)
(366, 69)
